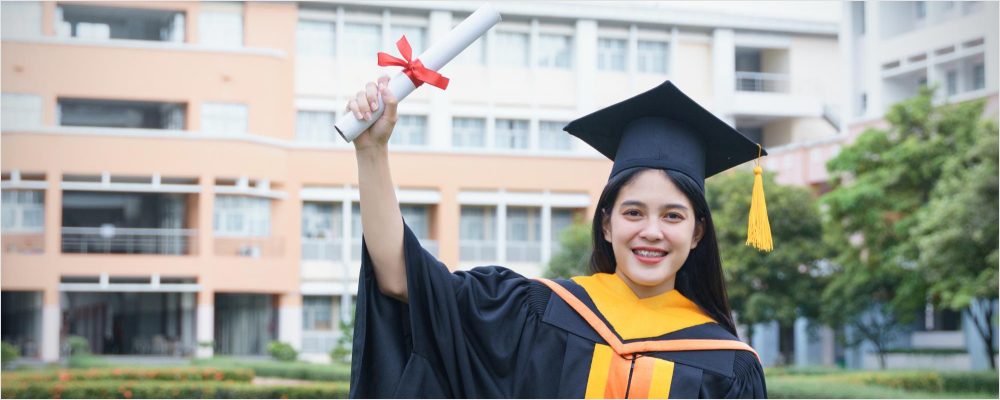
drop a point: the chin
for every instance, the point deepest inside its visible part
(645, 276)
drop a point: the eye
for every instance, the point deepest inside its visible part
(632, 213)
(674, 216)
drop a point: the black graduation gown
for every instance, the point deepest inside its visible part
(492, 333)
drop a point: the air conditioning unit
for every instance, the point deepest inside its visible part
(252, 251)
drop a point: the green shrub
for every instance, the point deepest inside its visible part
(78, 345)
(928, 381)
(168, 374)
(86, 361)
(282, 351)
(167, 389)
(287, 370)
(8, 353)
(971, 382)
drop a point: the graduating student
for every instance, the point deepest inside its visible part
(652, 321)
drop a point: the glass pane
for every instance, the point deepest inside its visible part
(512, 134)
(468, 132)
(362, 41)
(611, 54)
(414, 35)
(220, 29)
(410, 130)
(417, 219)
(554, 51)
(652, 57)
(314, 126)
(315, 38)
(512, 49)
(552, 136)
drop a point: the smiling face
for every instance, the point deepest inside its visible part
(652, 228)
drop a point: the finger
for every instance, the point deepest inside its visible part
(363, 107)
(372, 92)
(353, 107)
(390, 102)
(383, 81)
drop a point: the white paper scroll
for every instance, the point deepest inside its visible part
(434, 58)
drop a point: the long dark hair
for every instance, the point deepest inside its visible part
(700, 278)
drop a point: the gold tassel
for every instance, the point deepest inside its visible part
(758, 228)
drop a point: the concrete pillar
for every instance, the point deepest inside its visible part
(585, 64)
(765, 342)
(345, 251)
(51, 325)
(673, 54)
(872, 79)
(447, 221)
(188, 322)
(290, 319)
(53, 214)
(206, 324)
(439, 118)
(502, 228)
(546, 230)
(206, 210)
(723, 73)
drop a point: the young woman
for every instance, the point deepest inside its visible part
(652, 321)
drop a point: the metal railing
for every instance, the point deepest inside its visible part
(761, 82)
(523, 251)
(113, 240)
(477, 250)
(321, 249)
(23, 242)
(319, 341)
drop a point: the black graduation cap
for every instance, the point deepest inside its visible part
(664, 128)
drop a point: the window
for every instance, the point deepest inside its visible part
(863, 104)
(120, 114)
(242, 216)
(104, 23)
(552, 136)
(321, 220)
(362, 41)
(970, 7)
(474, 54)
(562, 219)
(511, 49)
(221, 24)
(555, 51)
(356, 231)
(224, 118)
(417, 217)
(410, 130)
(978, 76)
(524, 234)
(477, 232)
(920, 9)
(21, 19)
(315, 38)
(611, 54)
(652, 57)
(414, 34)
(858, 17)
(512, 134)
(315, 126)
(23, 210)
(468, 132)
(951, 82)
(317, 313)
(20, 110)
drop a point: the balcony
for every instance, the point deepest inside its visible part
(321, 249)
(120, 114)
(477, 250)
(109, 239)
(106, 23)
(747, 81)
(127, 223)
(524, 251)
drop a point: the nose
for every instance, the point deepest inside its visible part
(651, 231)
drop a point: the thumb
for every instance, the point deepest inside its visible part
(390, 102)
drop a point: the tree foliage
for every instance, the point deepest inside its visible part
(783, 284)
(573, 256)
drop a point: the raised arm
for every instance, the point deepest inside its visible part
(381, 220)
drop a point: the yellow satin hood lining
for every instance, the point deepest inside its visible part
(635, 318)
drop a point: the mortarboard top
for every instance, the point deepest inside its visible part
(664, 128)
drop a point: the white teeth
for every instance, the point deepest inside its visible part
(649, 253)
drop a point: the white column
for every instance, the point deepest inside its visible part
(206, 330)
(723, 73)
(290, 325)
(546, 229)
(632, 55)
(585, 65)
(673, 54)
(872, 79)
(439, 118)
(345, 252)
(51, 324)
(387, 41)
(850, 93)
(502, 228)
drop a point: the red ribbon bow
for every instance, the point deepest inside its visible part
(414, 69)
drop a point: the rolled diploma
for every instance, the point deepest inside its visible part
(434, 58)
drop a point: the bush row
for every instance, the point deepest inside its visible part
(170, 374)
(164, 389)
(287, 370)
(936, 382)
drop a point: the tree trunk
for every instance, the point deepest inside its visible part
(984, 327)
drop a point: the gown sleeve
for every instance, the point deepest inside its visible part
(458, 336)
(748, 382)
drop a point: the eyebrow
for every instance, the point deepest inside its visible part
(643, 205)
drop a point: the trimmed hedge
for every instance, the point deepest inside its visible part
(164, 374)
(287, 370)
(164, 389)
(937, 382)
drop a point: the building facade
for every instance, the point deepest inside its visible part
(172, 185)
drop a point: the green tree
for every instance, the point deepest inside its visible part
(955, 236)
(777, 286)
(341, 352)
(880, 185)
(573, 257)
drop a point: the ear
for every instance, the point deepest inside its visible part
(699, 232)
(606, 225)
